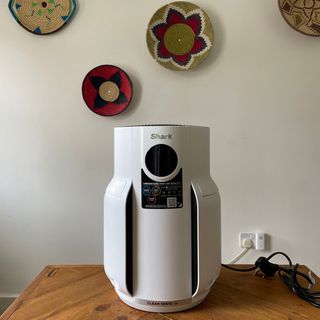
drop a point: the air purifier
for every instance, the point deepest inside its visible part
(162, 243)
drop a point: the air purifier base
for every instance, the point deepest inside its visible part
(163, 306)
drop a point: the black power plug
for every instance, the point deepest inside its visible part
(266, 267)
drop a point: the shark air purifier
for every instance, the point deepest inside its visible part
(162, 246)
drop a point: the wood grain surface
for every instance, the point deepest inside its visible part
(84, 293)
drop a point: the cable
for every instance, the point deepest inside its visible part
(239, 255)
(246, 245)
(241, 270)
(289, 275)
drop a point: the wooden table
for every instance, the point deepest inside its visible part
(83, 292)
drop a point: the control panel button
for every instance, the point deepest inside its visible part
(156, 190)
(151, 199)
(146, 190)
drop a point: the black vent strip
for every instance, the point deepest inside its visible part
(129, 244)
(194, 242)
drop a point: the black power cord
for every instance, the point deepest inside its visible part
(289, 275)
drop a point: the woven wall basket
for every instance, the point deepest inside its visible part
(180, 36)
(42, 16)
(302, 15)
(107, 90)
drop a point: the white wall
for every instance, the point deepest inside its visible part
(258, 91)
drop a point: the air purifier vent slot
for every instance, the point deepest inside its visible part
(194, 242)
(129, 244)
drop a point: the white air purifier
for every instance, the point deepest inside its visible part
(162, 243)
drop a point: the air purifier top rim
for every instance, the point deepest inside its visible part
(160, 125)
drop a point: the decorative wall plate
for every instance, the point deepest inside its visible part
(180, 35)
(107, 90)
(42, 16)
(302, 15)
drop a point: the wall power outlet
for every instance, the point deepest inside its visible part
(253, 240)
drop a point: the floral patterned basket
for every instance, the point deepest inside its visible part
(107, 90)
(180, 35)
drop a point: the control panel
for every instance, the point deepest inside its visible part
(161, 195)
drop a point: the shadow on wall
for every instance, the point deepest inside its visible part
(218, 40)
(5, 303)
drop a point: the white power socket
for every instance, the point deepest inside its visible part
(254, 240)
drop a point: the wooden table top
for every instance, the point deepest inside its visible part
(84, 293)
